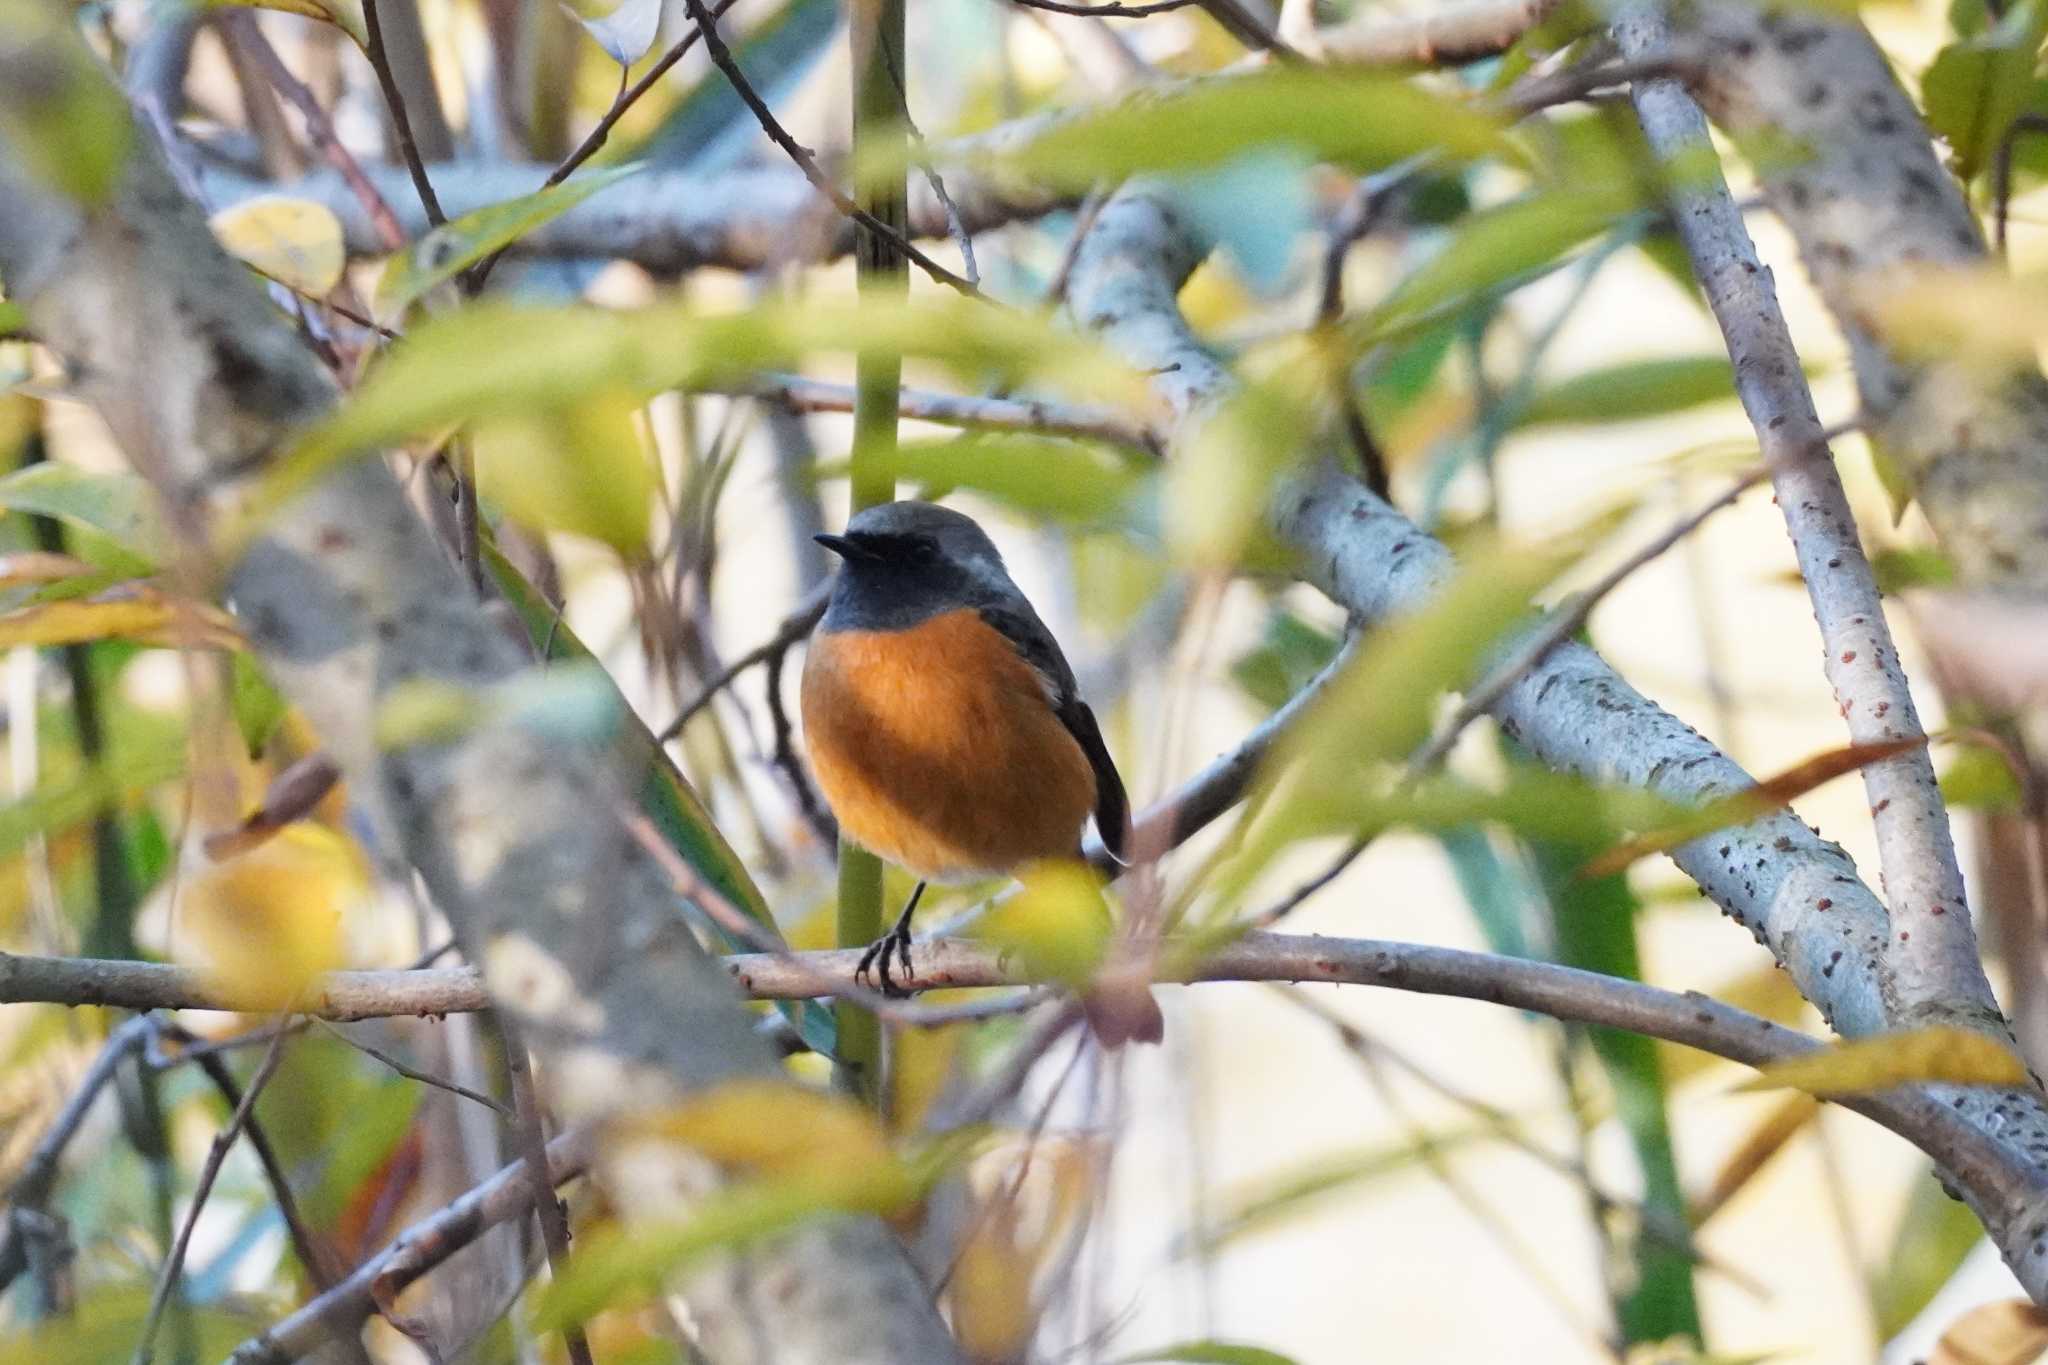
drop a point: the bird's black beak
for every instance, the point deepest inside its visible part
(842, 546)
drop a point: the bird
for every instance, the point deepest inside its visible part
(945, 728)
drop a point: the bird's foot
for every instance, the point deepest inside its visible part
(875, 962)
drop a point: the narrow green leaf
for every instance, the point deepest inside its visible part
(1934, 1233)
(1632, 390)
(455, 246)
(1289, 654)
(1492, 251)
(1210, 1352)
(1594, 923)
(257, 705)
(1362, 121)
(119, 508)
(62, 118)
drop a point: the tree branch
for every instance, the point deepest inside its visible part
(415, 1252)
(1935, 971)
(964, 410)
(1869, 202)
(1794, 891)
(347, 595)
(1452, 37)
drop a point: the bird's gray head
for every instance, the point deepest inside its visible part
(906, 562)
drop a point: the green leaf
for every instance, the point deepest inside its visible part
(1289, 654)
(1977, 86)
(107, 1325)
(455, 246)
(1979, 778)
(258, 707)
(1594, 922)
(1361, 121)
(1496, 889)
(1934, 1233)
(579, 467)
(13, 319)
(1043, 477)
(1632, 390)
(1493, 251)
(63, 119)
(509, 362)
(119, 509)
(118, 775)
(1210, 1352)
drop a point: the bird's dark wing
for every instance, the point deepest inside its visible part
(1020, 625)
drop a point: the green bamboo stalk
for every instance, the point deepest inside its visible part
(876, 33)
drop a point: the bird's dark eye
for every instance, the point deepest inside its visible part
(922, 550)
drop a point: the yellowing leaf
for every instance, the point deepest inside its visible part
(2009, 1332)
(269, 921)
(579, 468)
(1058, 922)
(346, 15)
(1946, 1055)
(993, 1315)
(425, 711)
(1980, 313)
(773, 1127)
(133, 611)
(297, 242)
(1221, 481)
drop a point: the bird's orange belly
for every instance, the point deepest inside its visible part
(938, 749)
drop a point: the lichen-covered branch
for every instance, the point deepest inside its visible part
(1796, 892)
(348, 597)
(668, 222)
(1847, 162)
(1936, 973)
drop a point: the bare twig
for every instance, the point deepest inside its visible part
(415, 1252)
(815, 813)
(320, 129)
(380, 60)
(1931, 951)
(411, 1073)
(528, 1126)
(722, 58)
(1109, 11)
(38, 1176)
(600, 133)
(174, 1262)
(964, 410)
(794, 627)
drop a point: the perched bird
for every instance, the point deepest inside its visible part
(944, 725)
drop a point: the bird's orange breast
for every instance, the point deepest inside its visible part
(938, 748)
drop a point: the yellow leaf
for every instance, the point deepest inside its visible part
(1947, 1055)
(2009, 1332)
(776, 1128)
(346, 15)
(132, 612)
(269, 921)
(991, 1289)
(1057, 923)
(296, 242)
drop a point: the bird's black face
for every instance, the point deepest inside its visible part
(906, 562)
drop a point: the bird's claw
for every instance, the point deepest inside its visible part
(875, 962)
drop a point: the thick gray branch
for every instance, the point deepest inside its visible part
(1936, 971)
(1797, 893)
(1849, 165)
(746, 218)
(348, 597)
